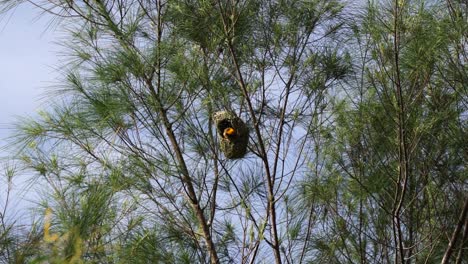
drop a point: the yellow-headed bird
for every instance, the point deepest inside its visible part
(229, 133)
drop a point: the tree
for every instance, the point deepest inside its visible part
(130, 154)
(396, 179)
(356, 149)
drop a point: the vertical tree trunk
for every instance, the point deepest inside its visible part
(402, 145)
(456, 233)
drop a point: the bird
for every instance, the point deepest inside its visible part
(229, 133)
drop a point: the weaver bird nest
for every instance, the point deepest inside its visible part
(233, 134)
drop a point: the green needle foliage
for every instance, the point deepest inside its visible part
(357, 118)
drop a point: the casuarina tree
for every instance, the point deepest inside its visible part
(354, 115)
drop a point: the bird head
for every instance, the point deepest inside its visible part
(229, 132)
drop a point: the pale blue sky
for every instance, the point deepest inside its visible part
(28, 56)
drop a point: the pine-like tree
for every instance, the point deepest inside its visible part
(357, 124)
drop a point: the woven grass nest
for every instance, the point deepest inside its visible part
(233, 134)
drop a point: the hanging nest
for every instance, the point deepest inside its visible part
(233, 134)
